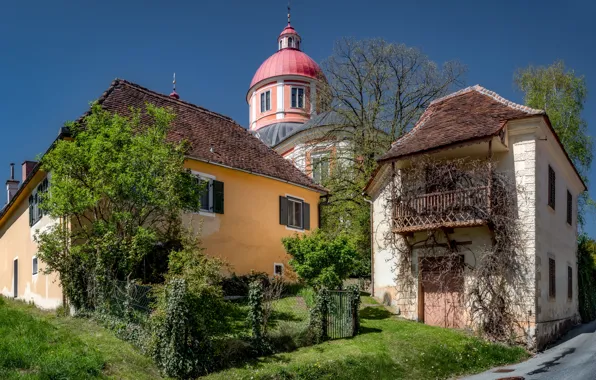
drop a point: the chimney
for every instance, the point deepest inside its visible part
(12, 185)
(26, 169)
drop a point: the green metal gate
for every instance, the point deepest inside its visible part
(342, 315)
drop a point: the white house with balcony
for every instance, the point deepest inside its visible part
(475, 123)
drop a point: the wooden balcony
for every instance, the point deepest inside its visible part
(448, 209)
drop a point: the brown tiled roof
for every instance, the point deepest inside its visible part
(213, 137)
(466, 115)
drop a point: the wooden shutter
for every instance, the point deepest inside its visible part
(306, 214)
(283, 210)
(552, 287)
(218, 197)
(30, 210)
(551, 187)
(569, 283)
(569, 207)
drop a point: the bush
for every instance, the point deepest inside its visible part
(321, 260)
(239, 285)
(586, 278)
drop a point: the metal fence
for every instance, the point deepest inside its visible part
(342, 316)
(134, 296)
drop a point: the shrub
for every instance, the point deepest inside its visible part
(239, 285)
(321, 260)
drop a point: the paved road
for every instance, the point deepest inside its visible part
(574, 358)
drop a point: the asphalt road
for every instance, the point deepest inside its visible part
(573, 358)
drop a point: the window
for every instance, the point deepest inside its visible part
(569, 207)
(569, 283)
(297, 97)
(280, 44)
(552, 288)
(35, 212)
(278, 269)
(551, 187)
(294, 213)
(320, 166)
(290, 42)
(34, 265)
(212, 195)
(265, 101)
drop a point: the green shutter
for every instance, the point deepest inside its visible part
(306, 214)
(218, 197)
(283, 210)
(30, 210)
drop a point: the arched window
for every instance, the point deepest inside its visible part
(290, 42)
(280, 44)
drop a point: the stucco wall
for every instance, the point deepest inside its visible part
(556, 239)
(16, 241)
(248, 235)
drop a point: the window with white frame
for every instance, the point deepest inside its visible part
(211, 197)
(294, 213)
(320, 166)
(297, 97)
(278, 269)
(34, 264)
(265, 101)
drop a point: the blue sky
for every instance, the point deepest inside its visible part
(57, 56)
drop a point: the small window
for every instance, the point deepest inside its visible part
(34, 265)
(551, 187)
(290, 42)
(278, 269)
(552, 287)
(569, 282)
(265, 101)
(320, 166)
(294, 213)
(569, 208)
(280, 44)
(297, 97)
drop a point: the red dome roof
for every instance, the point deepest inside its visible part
(287, 62)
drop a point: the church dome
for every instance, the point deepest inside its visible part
(287, 61)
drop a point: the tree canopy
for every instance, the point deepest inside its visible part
(118, 188)
(379, 90)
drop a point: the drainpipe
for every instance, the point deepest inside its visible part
(372, 255)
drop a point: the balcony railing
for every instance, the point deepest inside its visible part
(456, 208)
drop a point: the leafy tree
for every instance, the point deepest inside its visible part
(321, 260)
(379, 90)
(586, 268)
(562, 94)
(118, 187)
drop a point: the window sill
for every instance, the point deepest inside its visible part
(551, 208)
(294, 229)
(206, 213)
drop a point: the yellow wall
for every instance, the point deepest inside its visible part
(16, 240)
(248, 234)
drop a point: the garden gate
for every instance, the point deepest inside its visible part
(342, 316)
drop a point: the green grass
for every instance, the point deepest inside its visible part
(38, 345)
(387, 348)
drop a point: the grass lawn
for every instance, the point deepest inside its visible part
(387, 348)
(38, 345)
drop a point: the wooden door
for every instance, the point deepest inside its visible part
(442, 295)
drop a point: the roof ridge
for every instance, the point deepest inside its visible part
(167, 97)
(484, 91)
(508, 103)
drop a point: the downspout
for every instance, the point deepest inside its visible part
(372, 255)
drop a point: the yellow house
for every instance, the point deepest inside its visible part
(255, 197)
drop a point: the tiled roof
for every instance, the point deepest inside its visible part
(466, 115)
(212, 137)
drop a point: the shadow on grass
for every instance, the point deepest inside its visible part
(375, 313)
(368, 330)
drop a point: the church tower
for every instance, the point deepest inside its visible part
(282, 93)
